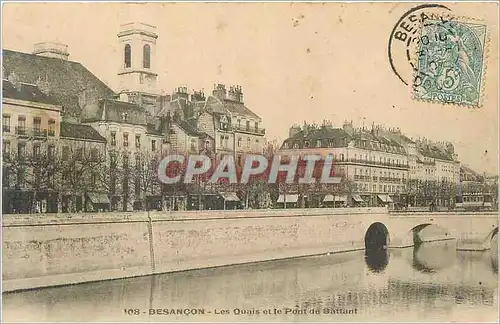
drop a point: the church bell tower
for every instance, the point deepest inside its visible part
(137, 44)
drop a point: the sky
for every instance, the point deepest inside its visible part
(295, 62)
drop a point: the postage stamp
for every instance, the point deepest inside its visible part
(450, 61)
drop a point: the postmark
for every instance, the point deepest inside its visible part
(450, 61)
(400, 49)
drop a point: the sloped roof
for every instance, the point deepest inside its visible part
(433, 151)
(65, 79)
(114, 110)
(322, 133)
(231, 106)
(81, 132)
(189, 129)
(26, 92)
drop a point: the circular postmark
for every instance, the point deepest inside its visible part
(405, 32)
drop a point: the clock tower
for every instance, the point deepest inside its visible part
(137, 45)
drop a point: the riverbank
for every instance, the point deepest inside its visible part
(67, 249)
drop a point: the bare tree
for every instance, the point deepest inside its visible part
(79, 174)
(37, 173)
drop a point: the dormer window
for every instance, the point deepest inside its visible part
(223, 122)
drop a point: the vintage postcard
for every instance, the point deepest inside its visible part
(250, 162)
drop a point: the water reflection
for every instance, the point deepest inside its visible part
(377, 259)
(434, 256)
(431, 283)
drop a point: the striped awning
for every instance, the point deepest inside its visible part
(330, 198)
(385, 198)
(289, 198)
(230, 196)
(357, 198)
(98, 198)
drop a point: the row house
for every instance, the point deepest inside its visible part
(134, 126)
(47, 163)
(375, 166)
(135, 145)
(30, 133)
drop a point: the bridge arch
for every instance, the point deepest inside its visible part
(376, 243)
(491, 240)
(376, 236)
(416, 239)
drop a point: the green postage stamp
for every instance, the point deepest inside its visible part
(450, 61)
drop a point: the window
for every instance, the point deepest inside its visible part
(193, 145)
(112, 160)
(125, 139)
(51, 152)
(248, 142)
(6, 123)
(248, 125)
(65, 153)
(239, 123)
(239, 141)
(125, 161)
(94, 154)
(36, 150)
(21, 125)
(146, 56)
(79, 153)
(127, 56)
(138, 141)
(37, 123)
(221, 141)
(113, 138)
(153, 145)
(52, 127)
(94, 178)
(138, 162)
(21, 150)
(256, 126)
(6, 150)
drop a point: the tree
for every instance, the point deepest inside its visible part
(80, 174)
(145, 177)
(38, 173)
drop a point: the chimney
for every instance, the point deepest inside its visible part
(52, 49)
(348, 128)
(123, 97)
(180, 93)
(235, 93)
(198, 96)
(295, 129)
(219, 91)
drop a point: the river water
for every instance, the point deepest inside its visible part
(431, 283)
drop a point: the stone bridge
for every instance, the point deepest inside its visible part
(472, 231)
(47, 250)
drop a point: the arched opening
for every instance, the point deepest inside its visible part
(146, 57)
(376, 237)
(376, 242)
(429, 233)
(127, 56)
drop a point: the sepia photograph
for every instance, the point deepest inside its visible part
(250, 162)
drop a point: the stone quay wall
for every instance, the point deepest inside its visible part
(58, 249)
